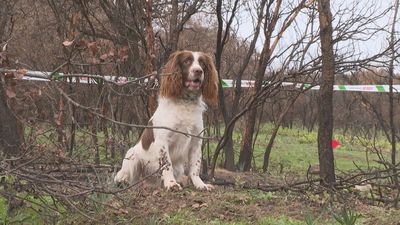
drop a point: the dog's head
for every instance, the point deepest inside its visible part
(192, 73)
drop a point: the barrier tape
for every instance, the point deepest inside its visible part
(45, 76)
(359, 88)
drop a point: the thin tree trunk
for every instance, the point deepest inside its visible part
(72, 132)
(150, 56)
(278, 123)
(221, 40)
(325, 115)
(393, 131)
(246, 151)
(58, 122)
(173, 36)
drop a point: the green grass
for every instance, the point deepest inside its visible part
(183, 216)
(30, 213)
(281, 220)
(295, 149)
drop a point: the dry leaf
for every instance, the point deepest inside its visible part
(57, 119)
(10, 93)
(196, 206)
(122, 211)
(92, 46)
(104, 56)
(4, 48)
(68, 43)
(20, 73)
(123, 53)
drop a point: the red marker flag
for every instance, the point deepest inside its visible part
(335, 144)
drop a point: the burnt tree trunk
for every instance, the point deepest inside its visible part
(229, 162)
(10, 140)
(325, 109)
(150, 57)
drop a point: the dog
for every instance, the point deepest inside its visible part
(188, 81)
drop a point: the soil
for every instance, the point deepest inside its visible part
(230, 203)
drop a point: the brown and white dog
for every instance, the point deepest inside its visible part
(189, 79)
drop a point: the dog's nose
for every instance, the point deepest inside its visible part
(197, 72)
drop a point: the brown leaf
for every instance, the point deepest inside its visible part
(20, 73)
(92, 46)
(57, 119)
(196, 206)
(122, 211)
(123, 53)
(68, 43)
(75, 19)
(204, 205)
(95, 61)
(10, 93)
(104, 56)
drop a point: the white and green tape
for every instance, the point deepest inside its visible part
(359, 88)
(226, 83)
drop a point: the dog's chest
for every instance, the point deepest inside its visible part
(183, 117)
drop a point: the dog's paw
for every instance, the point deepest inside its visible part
(200, 185)
(172, 185)
(204, 187)
(121, 179)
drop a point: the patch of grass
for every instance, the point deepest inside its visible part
(24, 215)
(295, 149)
(280, 220)
(346, 216)
(189, 217)
(181, 216)
(261, 195)
(380, 215)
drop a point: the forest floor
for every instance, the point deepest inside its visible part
(240, 203)
(238, 198)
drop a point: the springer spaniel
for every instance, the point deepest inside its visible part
(189, 80)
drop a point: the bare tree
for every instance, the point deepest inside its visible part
(10, 139)
(273, 14)
(325, 115)
(150, 66)
(179, 15)
(222, 38)
(393, 129)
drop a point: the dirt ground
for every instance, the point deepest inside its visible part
(233, 202)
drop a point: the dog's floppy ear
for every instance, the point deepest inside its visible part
(171, 83)
(210, 85)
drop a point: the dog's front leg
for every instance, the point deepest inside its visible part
(195, 165)
(167, 176)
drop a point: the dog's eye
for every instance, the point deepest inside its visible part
(187, 61)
